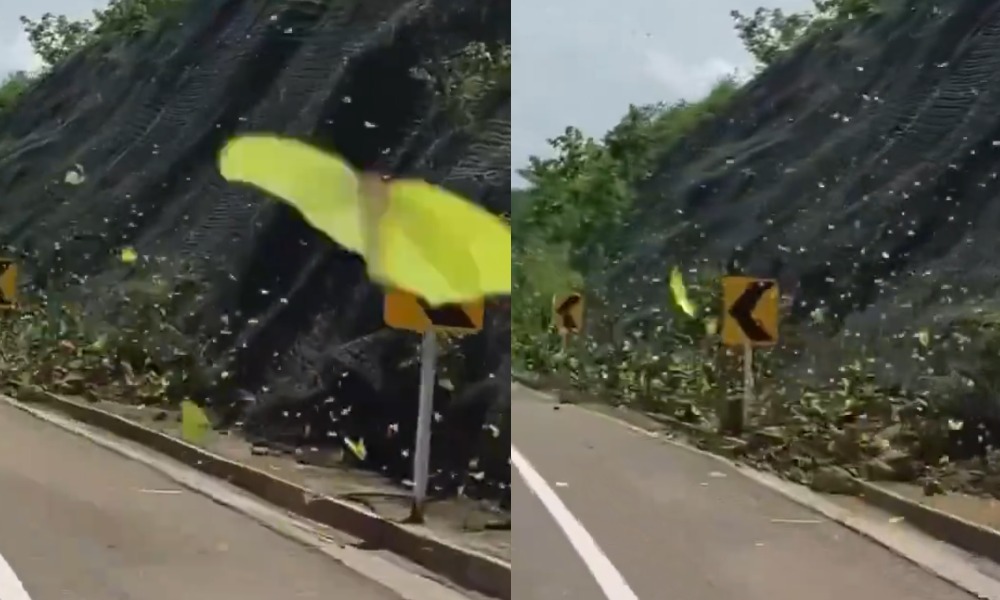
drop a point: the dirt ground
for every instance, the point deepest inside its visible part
(462, 521)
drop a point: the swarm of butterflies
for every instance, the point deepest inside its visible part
(413, 235)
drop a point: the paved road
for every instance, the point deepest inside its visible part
(79, 522)
(678, 525)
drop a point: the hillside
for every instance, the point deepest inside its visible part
(860, 174)
(234, 299)
(859, 169)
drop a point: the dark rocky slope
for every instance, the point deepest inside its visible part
(862, 172)
(282, 312)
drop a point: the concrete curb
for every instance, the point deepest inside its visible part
(970, 537)
(463, 567)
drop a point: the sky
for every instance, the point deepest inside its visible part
(582, 62)
(576, 62)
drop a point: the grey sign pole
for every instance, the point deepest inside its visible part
(425, 415)
(748, 384)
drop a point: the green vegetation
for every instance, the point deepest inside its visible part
(140, 356)
(465, 80)
(565, 226)
(768, 33)
(54, 38)
(12, 87)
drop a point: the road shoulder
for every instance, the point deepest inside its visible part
(365, 554)
(946, 562)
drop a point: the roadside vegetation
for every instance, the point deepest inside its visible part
(564, 225)
(142, 357)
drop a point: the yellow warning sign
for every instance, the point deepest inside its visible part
(750, 311)
(403, 310)
(567, 312)
(8, 284)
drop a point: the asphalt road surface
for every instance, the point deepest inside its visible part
(604, 511)
(80, 522)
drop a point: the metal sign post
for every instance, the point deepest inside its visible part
(403, 310)
(748, 383)
(425, 415)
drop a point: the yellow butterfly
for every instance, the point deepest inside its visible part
(413, 235)
(680, 293)
(129, 256)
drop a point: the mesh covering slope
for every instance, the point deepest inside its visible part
(862, 172)
(290, 315)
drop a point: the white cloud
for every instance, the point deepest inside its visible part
(686, 80)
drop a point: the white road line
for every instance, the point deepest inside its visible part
(11, 587)
(605, 574)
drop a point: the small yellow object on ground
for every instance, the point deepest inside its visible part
(195, 424)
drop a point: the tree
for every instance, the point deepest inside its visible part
(131, 17)
(582, 194)
(770, 32)
(55, 37)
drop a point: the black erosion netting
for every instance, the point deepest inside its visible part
(862, 171)
(289, 317)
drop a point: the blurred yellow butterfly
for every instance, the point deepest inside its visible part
(413, 235)
(129, 256)
(680, 293)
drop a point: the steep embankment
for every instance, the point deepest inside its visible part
(267, 305)
(862, 172)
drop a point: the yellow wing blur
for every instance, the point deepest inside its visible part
(320, 185)
(443, 247)
(433, 243)
(680, 293)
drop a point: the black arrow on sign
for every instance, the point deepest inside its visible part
(447, 315)
(742, 311)
(563, 310)
(4, 265)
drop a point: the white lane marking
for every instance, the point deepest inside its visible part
(605, 574)
(11, 587)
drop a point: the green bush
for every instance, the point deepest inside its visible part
(133, 352)
(14, 85)
(467, 78)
